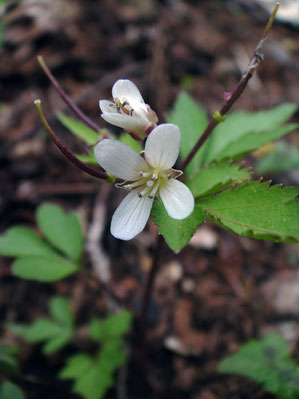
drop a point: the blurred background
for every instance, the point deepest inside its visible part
(221, 290)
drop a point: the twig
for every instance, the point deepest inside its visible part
(81, 165)
(232, 97)
(65, 97)
(149, 285)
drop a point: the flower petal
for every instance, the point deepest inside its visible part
(177, 199)
(107, 106)
(131, 216)
(162, 146)
(119, 159)
(127, 122)
(124, 88)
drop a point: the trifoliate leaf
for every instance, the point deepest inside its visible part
(115, 325)
(94, 376)
(62, 229)
(79, 129)
(192, 121)
(177, 233)
(267, 362)
(55, 332)
(43, 268)
(8, 390)
(256, 210)
(239, 124)
(60, 310)
(213, 178)
(20, 241)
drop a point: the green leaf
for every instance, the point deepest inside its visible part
(213, 178)
(113, 326)
(62, 229)
(239, 124)
(8, 363)
(79, 129)
(9, 390)
(282, 158)
(60, 310)
(126, 139)
(256, 210)
(252, 141)
(192, 121)
(177, 233)
(88, 158)
(54, 333)
(43, 268)
(93, 376)
(19, 241)
(267, 362)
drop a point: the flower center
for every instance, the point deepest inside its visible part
(149, 182)
(123, 106)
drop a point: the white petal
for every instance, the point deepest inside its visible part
(124, 88)
(162, 146)
(119, 159)
(177, 199)
(127, 122)
(107, 106)
(131, 216)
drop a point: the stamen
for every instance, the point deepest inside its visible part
(154, 190)
(142, 193)
(144, 174)
(150, 183)
(154, 177)
(130, 186)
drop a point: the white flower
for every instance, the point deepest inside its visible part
(128, 110)
(146, 176)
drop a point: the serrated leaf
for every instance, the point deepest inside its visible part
(19, 241)
(42, 268)
(192, 121)
(126, 139)
(252, 141)
(213, 178)
(177, 233)
(54, 335)
(9, 390)
(62, 229)
(267, 362)
(60, 310)
(113, 326)
(93, 376)
(282, 158)
(256, 210)
(79, 129)
(241, 123)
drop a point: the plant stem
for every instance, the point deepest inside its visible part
(65, 97)
(149, 285)
(232, 97)
(81, 165)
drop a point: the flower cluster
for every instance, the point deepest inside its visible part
(147, 175)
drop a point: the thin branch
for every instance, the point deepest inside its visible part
(81, 165)
(65, 97)
(232, 97)
(150, 284)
